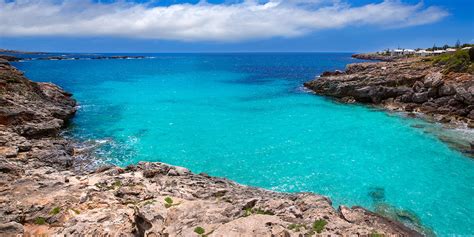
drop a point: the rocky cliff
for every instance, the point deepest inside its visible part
(411, 85)
(43, 191)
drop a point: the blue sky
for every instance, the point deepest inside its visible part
(233, 26)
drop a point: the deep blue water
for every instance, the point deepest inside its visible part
(246, 117)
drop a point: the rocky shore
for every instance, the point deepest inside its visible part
(373, 56)
(414, 85)
(72, 57)
(25, 56)
(44, 190)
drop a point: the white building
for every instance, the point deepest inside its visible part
(424, 53)
(439, 51)
(450, 50)
(401, 52)
(396, 52)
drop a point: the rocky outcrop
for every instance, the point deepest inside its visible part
(72, 57)
(44, 191)
(154, 198)
(374, 56)
(8, 58)
(32, 109)
(405, 85)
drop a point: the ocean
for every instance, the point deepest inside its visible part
(247, 117)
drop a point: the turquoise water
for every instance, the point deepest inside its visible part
(246, 117)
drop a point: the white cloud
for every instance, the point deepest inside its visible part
(204, 21)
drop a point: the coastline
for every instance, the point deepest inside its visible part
(414, 86)
(52, 196)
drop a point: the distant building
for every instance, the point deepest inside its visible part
(450, 50)
(401, 52)
(396, 52)
(439, 51)
(466, 48)
(423, 53)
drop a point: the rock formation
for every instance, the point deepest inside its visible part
(411, 85)
(373, 56)
(43, 191)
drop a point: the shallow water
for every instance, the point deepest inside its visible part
(246, 117)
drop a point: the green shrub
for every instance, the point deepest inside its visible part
(117, 184)
(471, 69)
(76, 211)
(40, 220)
(375, 234)
(249, 211)
(55, 211)
(456, 62)
(471, 54)
(149, 202)
(169, 202)
(199, 230)
(318, 225)
(262, 212)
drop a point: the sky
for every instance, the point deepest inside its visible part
(153, 26)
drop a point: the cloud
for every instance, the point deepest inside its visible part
(204, 21)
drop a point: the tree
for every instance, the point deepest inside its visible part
(445, 46)
(434, 47)
(458, 44)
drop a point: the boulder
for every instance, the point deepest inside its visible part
(11, 229)
(471, 115)
(331, 73)
(9, 167)
(407, 97)
(420, 97)
(433, 92)
(463, 96)
(9, 151)
(446, 90)
(442, 100)
(349, 214)
(418, 86)
(433, 80)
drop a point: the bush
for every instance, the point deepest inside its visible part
(457, 62)
(471, 54)
(55, 211)
(40, 220)
(249, 211)
(318, 225)
(376, 235)
(199, 230)
(168, 202)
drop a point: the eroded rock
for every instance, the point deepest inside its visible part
(403, 85)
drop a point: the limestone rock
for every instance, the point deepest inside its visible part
(402, 85)
(11, 229)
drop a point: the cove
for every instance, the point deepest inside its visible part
(246, 117)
